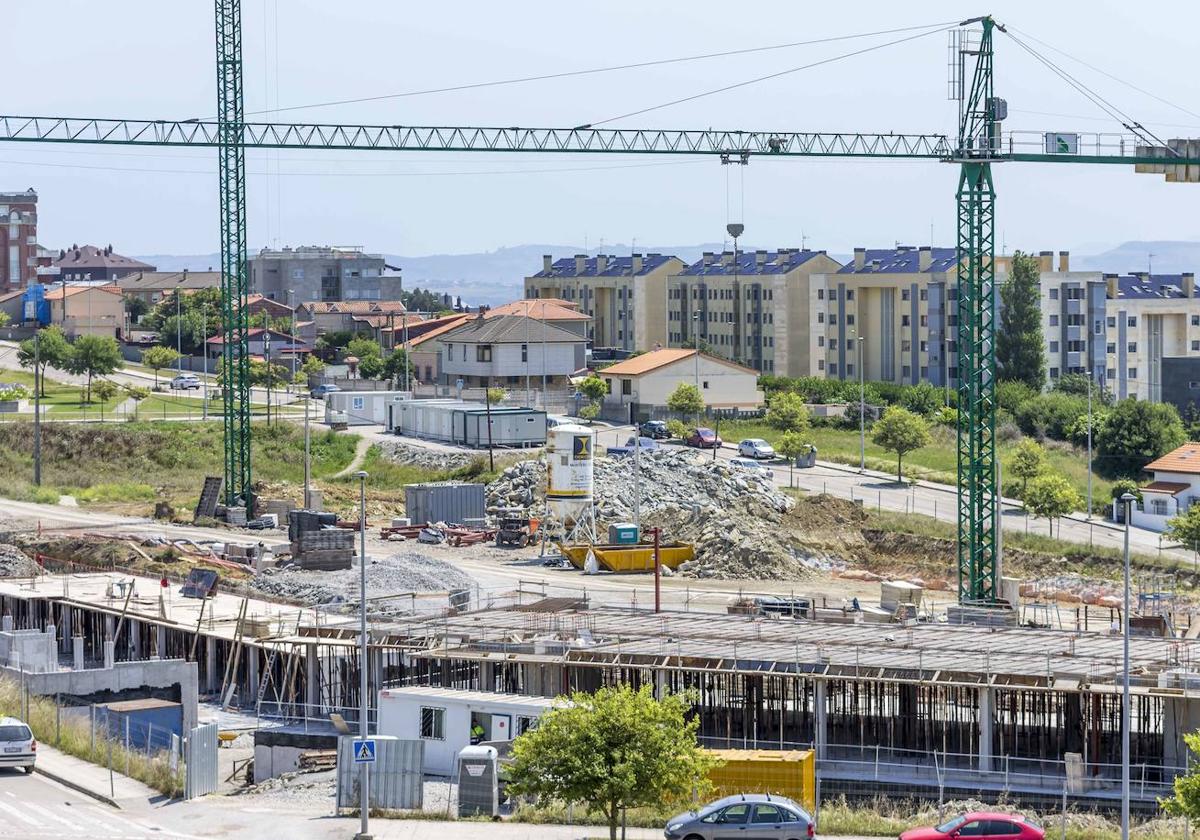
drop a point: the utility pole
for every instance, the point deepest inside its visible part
(1127, 499)
(37, 408)
(1091, 373)
(179, 325)
(364, 779)
(487, 401)
(862, 409)
(307, 466)
(204, 352)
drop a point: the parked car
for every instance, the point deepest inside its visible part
(703, 439)
(320, 391)
(656, 429)
(752, 464)
(980, 825)
(18, 747)
(756, 448)
(185, 382)
(745, 815)
(647, 444)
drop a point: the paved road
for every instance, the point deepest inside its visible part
(880, 491)
(37, 808)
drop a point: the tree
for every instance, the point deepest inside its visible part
(312, 366)
(594, 388)
(1134, 434)
(1029, 461)
(1186, 528)
(157, 358)
(105, 390)
(787, 411)
(1010, 396)
(1186, 799)
(590, 411)
(135, 307)
(1020, 353)
(394, 366)
(496, 395)
(370, 367)
(922, 398)
(1052, 496)
(137, 394)
(613, 750)
(4, 319)
(363, 348)
(900, 431)
(52, 351)
(94, 355)
(686, 399)
(791, 445)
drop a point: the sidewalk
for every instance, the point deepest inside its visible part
(91, 780)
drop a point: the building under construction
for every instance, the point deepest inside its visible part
(924, 709)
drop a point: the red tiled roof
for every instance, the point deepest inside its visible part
(1185, 459)
(1172, 487)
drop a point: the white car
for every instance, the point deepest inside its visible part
(185, 382)
(18, 748)
(756, 448)
(752, 464)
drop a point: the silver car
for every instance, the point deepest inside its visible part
(17, 745)
(742, 817)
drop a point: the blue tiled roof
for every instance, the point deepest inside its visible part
(1150, 286)
(774, 262)
(902, 261)
(614, 266)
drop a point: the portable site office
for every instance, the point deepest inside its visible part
(466, 423)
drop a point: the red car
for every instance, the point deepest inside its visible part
(981, 825)
(703, 439)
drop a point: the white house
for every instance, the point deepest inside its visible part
(503, 349)
(647, 381)
(1175, 488)
(443, 718)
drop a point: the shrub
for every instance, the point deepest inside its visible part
(677, 428)
(1050, 415)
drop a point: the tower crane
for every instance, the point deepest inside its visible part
(979, 144)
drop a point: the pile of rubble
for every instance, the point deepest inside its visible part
(400, 573)
(16, 563)
(401, 451)
(735, 517)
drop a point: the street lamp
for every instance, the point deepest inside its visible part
(179, 324)
(204, 350)
(1127, 499)
(862, 405)
(696, 344)
(364, 774)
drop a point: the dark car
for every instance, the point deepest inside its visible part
(980, 825)
(656, 429)
(703, 439)
(744, 815)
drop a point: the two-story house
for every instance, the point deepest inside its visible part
(503, 350)
(1175, 488)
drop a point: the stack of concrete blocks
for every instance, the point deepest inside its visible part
(317, 547)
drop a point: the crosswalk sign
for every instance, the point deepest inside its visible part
(364, 751)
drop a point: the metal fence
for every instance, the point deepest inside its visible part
(200, 759)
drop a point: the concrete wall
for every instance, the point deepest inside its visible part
(29, 650)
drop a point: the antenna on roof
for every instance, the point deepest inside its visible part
(1149, 263)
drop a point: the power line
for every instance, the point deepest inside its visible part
(1100, 119)
(768, 77)
(595, 70)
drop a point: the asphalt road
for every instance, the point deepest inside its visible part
(36, 808)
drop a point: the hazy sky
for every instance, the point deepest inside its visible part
(155, 59)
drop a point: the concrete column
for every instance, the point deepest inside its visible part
(110, 626)
(660, 683)
(110, 653)
(987, 707)
(252, 655)
(66, 626)
(160, 638)
(77, 652)
(6, 623)
(210, 665)
(821, 719)
(135, 638)
(312, 680)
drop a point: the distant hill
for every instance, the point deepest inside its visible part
(1169, 257)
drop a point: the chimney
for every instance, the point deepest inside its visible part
(1045, 261)
(924, 258)
(547, 262)
(860, 258)
(1064, 261)
(1188, 282)
(580, 263)
(637, 263)
(1110, 280)
(760, 257)
(601, 263)
(708, 257)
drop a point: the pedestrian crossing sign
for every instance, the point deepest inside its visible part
(364, 751)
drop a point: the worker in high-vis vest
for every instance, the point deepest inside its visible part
(477, 733)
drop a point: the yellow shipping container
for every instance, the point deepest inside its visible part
(790, 773)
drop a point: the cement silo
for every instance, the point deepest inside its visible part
(569, 453)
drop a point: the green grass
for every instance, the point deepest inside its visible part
(385, 475)
(145, 461)
(936, 462)
(60, 400)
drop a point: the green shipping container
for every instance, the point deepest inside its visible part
(623, 533)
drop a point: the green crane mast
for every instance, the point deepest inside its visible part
(979, 144)
(232, 169)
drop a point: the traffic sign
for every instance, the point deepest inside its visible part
(364, 751)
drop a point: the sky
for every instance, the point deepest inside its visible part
(155, 60)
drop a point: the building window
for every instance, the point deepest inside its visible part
(1132, 347)
(849, 370)
(1054, 294)
(1097, 329)
(1053, 346)
(820, 294)
(1075, 347)
(1054, 320)
(1112, 373)
(833, 344)
(849, 343)
(820, 317)
(1196, 345)
(1196, 320)
(1111, 347)
(923, 294)
(524, 724)
(924, 347)
(832, 318)
(1132, 321)
(1054, 373)
(1075, 320)
(905, 345)
(433, 723)
(849, 294)
(483, 352)
(924, 320)
(833, 369)
(849, 320)
(1132, 373)
(820, 364)
(820, 341)
(524, 352)
(626, 387)
(904, 294)
(1112, 322)
(904, 321)
(1158, 507)
(906, 371)
(924, 372)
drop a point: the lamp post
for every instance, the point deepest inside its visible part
(179, 324)
(1127, 500)
(204, 351)
(696, 344)
(1091, 373)
(364, 778)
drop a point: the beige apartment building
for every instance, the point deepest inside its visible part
(626, 297)
(761, 309)
(1150, 317)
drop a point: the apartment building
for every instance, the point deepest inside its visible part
(311, 273)
(1073, 305)
(1149, 318)
(90, 262)
(762, 309)
(626, 297)
(18, 239)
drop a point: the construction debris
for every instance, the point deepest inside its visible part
(16, 563)
(395, 575)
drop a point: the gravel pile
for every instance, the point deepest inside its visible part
(405, 572)
(735, 517)
(400, 451)
(16, 563)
